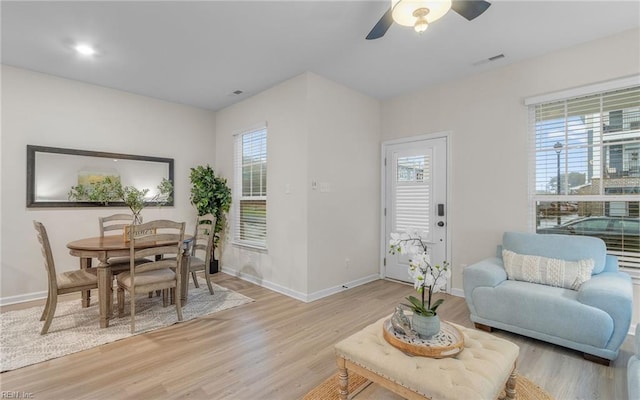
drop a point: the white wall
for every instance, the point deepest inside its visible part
(40, 109)
(343, 157)
(486, 114)
(317, 131)
(283, 107)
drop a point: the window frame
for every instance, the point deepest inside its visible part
(239, 185)
(602, 89)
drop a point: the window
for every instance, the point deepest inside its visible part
(251, 188)
(585, 170)
(413, 187)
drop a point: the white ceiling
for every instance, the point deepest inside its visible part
(198, 53)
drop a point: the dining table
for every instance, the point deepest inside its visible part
(106, 247)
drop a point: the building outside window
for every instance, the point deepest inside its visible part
(585, 171)
(251, 188)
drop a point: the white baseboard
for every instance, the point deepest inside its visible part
(307, 298)
(22, 298)
(336, 289)
(264, 283)
(457, 292)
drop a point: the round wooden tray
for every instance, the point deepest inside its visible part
(446, 343)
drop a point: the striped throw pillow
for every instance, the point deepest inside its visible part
(547, 271)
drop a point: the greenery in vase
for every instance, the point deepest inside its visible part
(210, 194)
(110, 190)
(427, 278)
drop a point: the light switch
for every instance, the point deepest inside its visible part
(325, 187)
(287, 188)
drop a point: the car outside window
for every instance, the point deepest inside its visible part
(628, 226)
(592, 225)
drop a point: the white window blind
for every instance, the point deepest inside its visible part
(251, 188)
(586, 171)
(412, 202)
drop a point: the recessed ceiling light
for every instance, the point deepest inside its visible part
(85, 49)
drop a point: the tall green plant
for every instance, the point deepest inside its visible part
(210, 194)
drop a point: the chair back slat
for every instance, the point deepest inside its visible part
(157, 237)
(158, 250)
(115, 222)
(45, 248)
(203, 237)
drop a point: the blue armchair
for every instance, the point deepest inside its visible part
(633, 369)
(594, 319)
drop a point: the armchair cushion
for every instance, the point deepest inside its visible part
(547, 271)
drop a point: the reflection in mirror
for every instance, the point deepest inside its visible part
(51, 172)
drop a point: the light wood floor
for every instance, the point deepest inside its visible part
(277, 348)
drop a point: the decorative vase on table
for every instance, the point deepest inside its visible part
(425, 326)
(137, 218)
(427, 280)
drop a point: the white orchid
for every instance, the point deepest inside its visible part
(424, 275)
(409, 242)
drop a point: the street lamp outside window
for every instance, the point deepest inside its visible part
(558, 148)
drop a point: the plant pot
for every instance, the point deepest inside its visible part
(425, 326)
(213, 266)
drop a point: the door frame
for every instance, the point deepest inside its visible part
(384, 242)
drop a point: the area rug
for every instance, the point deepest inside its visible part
(328, 390)
(75, 329)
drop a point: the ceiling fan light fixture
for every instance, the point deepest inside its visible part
(408, 12)
(421, 24)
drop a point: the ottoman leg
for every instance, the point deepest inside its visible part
(510, 389)
(343, 375)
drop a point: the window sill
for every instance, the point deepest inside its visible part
(249, 246)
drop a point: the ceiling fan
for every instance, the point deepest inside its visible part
(420, 14)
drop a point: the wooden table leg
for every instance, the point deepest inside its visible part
(105, 291)
(343, 375)
(85, 263)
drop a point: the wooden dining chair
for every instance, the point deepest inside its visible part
(115, 224)
(162, 240)
(203, 246)
(66, 282)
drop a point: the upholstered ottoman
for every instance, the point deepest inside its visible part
(485, 366)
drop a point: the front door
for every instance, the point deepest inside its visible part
(416, 197)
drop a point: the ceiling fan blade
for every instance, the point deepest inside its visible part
(470, 9)
(382, 26)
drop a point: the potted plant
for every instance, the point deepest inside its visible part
(427, 280)
(110, 190)
(210, 194)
